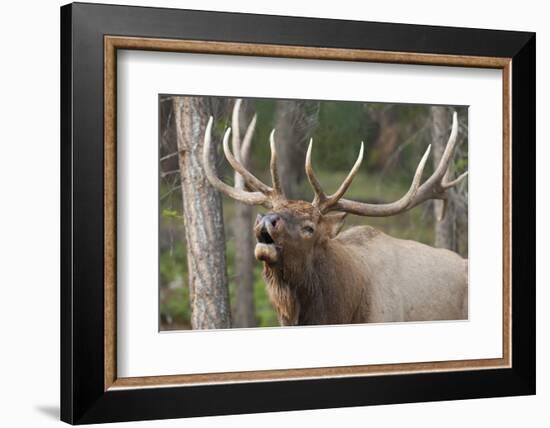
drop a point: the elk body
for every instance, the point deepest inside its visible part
(317, 274)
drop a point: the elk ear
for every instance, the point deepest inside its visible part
(334, 223)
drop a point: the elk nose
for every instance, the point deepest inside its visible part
(272, 219)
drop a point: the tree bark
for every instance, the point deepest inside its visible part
(203, 216)
(445, 230)
(294, 125)
(244, 314)
(168, 139)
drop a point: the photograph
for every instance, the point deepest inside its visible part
(295, 212)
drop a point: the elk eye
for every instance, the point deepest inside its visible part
(308, 229)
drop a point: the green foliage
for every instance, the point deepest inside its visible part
(173, 263)
(175, 309)
(169, 213)
(461, 164)
(342, 127)
(265, 314)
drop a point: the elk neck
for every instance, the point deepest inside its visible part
(298, 288)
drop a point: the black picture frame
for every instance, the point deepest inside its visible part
(83, 396)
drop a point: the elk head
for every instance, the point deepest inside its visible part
(291, 229)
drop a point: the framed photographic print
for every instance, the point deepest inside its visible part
(265, 213)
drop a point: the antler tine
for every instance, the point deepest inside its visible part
(273, 165)
(236, 135)
(247, 140)
(443, 166)
(434, 187)
(335, 197)
(449, 184)
(320, 195)
(384, 210)
(241, 148)
(248, 177)
(250, 198)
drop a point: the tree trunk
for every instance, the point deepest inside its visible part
(445, 230)
(386, 136)
(168, 139)
(244, 314)
(202, 211)
(294, 124)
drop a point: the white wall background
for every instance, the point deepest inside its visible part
(29, 214)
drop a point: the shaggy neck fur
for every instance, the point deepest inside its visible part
(303, 291)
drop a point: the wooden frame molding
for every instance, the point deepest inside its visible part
(113, 43)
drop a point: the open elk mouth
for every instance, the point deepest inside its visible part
(265, 250)
(264, 237)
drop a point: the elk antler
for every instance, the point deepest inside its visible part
(433, 188)
(437, 185)
(261, 193)
(241, 148)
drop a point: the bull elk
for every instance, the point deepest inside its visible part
(317, 274)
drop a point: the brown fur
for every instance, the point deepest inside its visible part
(357, 276)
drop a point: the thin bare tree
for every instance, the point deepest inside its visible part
(203, 216)
(385, 137)
(244, 313)
(295, 121)
(451, 214)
